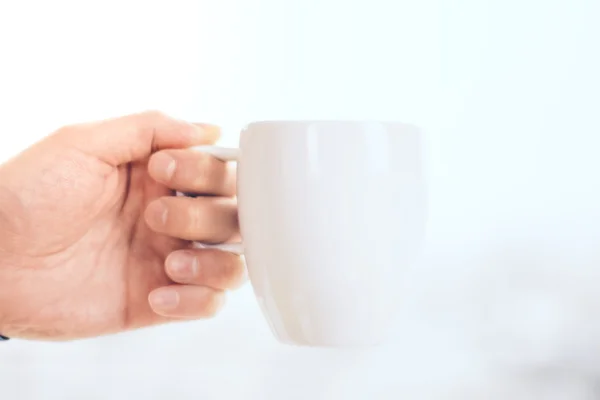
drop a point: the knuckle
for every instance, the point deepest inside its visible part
(67, 130)
(153, 115)
(163, 165)
(156, 215)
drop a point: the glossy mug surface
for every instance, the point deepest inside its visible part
(331, 213)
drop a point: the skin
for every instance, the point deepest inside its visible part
(92, 240)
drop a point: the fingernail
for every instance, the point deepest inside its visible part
(163, 166)
(182, 266)
(197, 134)
(158, 213)
(207, 132)
(165, 299)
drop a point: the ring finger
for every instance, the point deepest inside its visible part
(206, 267)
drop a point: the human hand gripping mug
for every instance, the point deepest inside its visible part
(330, 214)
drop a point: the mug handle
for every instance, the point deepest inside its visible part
(224, 154)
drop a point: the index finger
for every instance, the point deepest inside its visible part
(134, 137)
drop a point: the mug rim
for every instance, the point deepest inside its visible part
(304, 122)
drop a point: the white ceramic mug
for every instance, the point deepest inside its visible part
(331, 213)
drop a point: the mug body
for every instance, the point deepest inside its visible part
(331, 213)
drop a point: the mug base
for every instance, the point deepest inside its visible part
(331, 343)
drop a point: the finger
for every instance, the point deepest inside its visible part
(134, 137)
(207, 267)
(193, 171)
(204, 219)
(183, 301)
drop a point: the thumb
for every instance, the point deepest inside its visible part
(134, 137)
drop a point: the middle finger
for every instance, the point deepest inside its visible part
(189, 170)
(203, 219)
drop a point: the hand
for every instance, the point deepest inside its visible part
(92, 240)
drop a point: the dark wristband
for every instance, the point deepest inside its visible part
(3, 338)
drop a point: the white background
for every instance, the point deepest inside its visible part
(505, 302)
